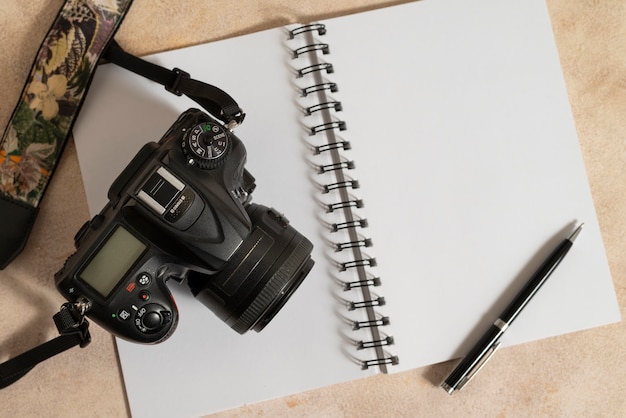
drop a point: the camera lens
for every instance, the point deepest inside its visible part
(260, 276)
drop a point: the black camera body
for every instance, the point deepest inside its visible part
(181, 210)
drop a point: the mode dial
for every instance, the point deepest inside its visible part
(206, 145)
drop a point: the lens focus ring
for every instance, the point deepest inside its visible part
(274, 290)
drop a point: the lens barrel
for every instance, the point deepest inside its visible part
(260, 276)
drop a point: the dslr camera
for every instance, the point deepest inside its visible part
(181, 210)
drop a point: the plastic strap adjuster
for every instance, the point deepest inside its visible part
(173, 87)
(69, 321)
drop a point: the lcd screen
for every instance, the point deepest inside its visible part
(112, 261)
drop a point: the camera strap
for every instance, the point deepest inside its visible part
(41, 123)
(42, 120)
(216, 101)
(73, 329)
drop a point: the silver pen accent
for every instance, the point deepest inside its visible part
(501, 324)
(489, 343)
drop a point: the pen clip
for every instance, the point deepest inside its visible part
(479, 366)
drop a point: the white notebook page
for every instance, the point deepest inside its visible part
(470, 171)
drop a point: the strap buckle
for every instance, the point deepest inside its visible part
(173, 86)
(70, 320)
(73, 327)
(234, 120)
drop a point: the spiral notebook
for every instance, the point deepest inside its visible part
(429, 152)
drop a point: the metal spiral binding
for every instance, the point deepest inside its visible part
(319, 87)
(363, 262)
(334, 105)
(343, 165)
(388, 340)
(382, 321)
(356, 203)
(311, 48)
(348, 184)
(355, 223)
(344, 145)
(369, 282)
(325, 108)
(320, 28)
(393, 360)
(316, 67)
(341, 125)
(379, 301)
(340, 246)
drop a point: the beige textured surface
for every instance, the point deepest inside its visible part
(581, 374)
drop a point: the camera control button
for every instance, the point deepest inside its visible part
(123, 315)
(152, 318)
(145, 296)
(144, 279)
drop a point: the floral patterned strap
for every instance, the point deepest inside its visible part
(41, 122)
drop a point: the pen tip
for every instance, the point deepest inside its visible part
(576, 232)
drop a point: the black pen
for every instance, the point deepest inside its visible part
(490, 342)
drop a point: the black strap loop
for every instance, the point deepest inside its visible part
(216, 101)
(74, 330)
